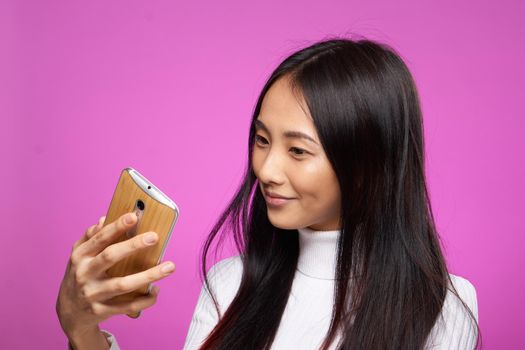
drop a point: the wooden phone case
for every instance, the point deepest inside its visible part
(159, 214)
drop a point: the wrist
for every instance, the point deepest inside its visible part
(88, 338)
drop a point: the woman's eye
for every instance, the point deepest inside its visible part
(298, 151)
(259, 138)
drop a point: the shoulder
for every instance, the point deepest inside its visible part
(454, 328)
(225, 278)
(466, 291)
(230, 264)
(226, 268)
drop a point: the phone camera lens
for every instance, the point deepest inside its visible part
(140, 204)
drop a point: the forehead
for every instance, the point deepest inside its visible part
(282, 109)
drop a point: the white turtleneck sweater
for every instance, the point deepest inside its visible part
(306, 317)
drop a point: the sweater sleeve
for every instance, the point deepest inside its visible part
(223, 278)
(454, 328)
(112, 340)
(110, 337)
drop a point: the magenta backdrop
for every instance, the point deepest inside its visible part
(168, 87)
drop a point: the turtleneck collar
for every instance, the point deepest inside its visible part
(317, 253)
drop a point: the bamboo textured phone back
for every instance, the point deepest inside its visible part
(155, 216)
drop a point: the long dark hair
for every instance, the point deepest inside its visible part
(365, 107)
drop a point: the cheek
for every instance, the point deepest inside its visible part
(311, 179)
(317, 184)
(255, 158)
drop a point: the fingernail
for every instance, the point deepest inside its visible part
(129, 218)
(150, 238)
(155, 289)
(167, 267)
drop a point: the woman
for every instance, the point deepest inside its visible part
(348, 258)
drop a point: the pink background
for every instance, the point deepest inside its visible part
(167, 87)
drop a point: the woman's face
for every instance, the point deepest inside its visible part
(293, 166)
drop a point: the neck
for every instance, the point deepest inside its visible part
(317, 253)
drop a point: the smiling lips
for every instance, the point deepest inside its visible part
(275, 199)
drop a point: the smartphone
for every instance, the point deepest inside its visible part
(155, 212)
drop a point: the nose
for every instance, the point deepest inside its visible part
(272, 169)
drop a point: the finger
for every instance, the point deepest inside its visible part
(107, 235)
(128, 307)
(121, 285)
(96, 228)
(84, 237)
(118, 251)
(90, 232)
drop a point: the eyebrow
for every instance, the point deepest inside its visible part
(291, 134)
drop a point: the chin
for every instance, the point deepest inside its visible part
(283, 223)
(286, 227)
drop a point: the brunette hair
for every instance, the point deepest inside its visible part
(391, 275)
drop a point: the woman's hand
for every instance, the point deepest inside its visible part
(82, 301)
